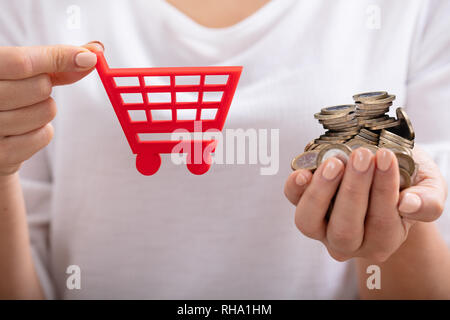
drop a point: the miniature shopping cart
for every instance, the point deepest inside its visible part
(151, 102)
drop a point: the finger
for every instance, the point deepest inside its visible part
(16, 149)
(26, 119)
(26, 62)
(424, 202)
(71, 77)
(24, 92)
(345, 229)
(296, 185)
(384, 228)
(313, 205)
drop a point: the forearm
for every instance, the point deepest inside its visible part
(420, 269)
(18, 279)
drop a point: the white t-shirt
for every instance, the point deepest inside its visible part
(229, 233)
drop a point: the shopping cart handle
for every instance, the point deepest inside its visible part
(102, 65)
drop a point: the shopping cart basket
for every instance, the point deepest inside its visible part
(165, 100)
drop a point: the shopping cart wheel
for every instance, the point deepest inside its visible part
(200, 168)
(148, 164)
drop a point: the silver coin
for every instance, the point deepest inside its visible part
(338, 109)
(370, 96)
(340, 151)
(306, 160)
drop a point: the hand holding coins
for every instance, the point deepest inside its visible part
(352, 202)
(363, 124)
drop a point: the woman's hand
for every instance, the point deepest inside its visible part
(370, 217)
(27, 75)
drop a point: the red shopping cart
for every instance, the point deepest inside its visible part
(152, 101)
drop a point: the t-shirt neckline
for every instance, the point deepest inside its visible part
(185, 24)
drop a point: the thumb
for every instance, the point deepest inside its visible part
(424, 201)
(84, 63)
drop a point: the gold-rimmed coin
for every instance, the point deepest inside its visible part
(348, 129)
(405, 179)
(387, 140)
(365, 140)
(380, 112)
(362, 134)
(381, 125)
(362, 106)
(321, 141)
(395, 137)
(306, 160)
(369, 133)
(406, 125)
(355, 143)
(341, 133)
(370, 96)
(320, 147)
(339, 120)
(345, 108)
(369, 117)
(321, 116)
(309, 145)
(396, 148)
(340, 151)
(385, 100)
(406, 162)
(347, 124)
(378, 119)
(333, 138)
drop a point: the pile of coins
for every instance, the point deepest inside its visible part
(362, 124)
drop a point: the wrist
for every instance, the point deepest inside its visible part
(417, 270)
(420, 237)
(9, 180)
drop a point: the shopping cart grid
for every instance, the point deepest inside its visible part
(148, 153)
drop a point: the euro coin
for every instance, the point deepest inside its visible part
(339, 109)
(370, 96)
(384, 125)
(355, 144)
(406, 125)
(406, 162)
(385, 100)
(340, 151)
(386, 134)
(309, 145)
(405, 179)
(306, 160)
(364, 124)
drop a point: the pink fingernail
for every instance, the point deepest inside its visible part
(362, 159)
(410, 203)
(301, 180)
(384, 159)
(85, 59)
(98, 45)
(332, 169)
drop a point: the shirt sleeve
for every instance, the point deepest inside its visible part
(35, 174)
(428, 90)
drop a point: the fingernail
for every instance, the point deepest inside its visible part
(332, 169)
(301, 179)
(98, 45)
(384, 159)
(410, 203)
(362, 159)
(86, 59)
